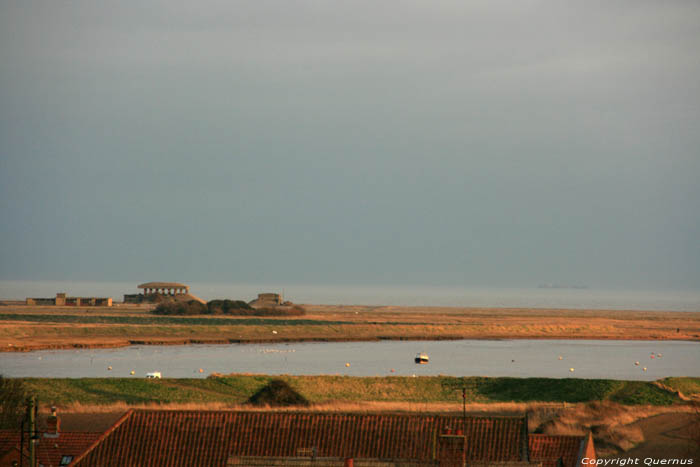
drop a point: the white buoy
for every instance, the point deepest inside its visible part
(109, 368)
(274, 332)
(636, 363)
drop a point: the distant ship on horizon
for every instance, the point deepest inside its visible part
(560, 286)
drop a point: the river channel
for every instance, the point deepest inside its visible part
(517, 358)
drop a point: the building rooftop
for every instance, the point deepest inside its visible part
(161, 285)
(549, 449)
(51, 451)
(210, 438)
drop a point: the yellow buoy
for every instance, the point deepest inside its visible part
(645, 368)
(571, 369)
(132, 372)
(561, 358)
(347, 364)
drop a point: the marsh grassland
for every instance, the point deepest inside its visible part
(32, 328)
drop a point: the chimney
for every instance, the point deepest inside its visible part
(53, 424)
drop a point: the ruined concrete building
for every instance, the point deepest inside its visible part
(153, 291)
(267, 299)
(63, 300)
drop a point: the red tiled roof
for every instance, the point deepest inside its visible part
(8, 440)
(548, 449)
(50, 451)
(209, 438)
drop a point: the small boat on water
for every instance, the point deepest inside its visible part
(422, 358)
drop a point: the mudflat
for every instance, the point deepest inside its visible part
(26, 328)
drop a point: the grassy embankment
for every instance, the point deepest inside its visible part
(32, 328)
(234, 390)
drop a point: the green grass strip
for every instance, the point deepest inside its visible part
(237, 389)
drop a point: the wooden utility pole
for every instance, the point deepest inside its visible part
(464, 426)
(32, 409)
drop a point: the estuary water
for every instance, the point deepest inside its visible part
(516, 358)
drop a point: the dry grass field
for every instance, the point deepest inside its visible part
(31, 328)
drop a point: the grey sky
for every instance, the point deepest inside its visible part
(475, 143)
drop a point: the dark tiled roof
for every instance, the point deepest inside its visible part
(209, 438)
(549, 449)
(50, 451)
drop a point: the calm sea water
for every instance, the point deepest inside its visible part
(517, 358)
(388, 295)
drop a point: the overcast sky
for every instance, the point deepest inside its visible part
(471, 143)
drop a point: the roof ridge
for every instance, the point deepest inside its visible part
(312, 412)
(107, 432)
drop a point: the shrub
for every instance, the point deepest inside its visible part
(223, 307)
(277, 394)
(228, 307)
(191, 307)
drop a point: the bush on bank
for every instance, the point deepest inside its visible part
(177, 307)
(223, 307)
(227, 307)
